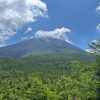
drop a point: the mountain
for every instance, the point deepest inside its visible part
(37, 46)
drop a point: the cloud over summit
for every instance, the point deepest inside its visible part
(14, 14)
(59, 33)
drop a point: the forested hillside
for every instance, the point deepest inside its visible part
(48, 77)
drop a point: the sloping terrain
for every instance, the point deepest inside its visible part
(35, 46)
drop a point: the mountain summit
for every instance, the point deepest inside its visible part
(35, 45)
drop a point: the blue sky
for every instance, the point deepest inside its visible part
(76, 21)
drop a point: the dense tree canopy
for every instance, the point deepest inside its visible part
(48, 78)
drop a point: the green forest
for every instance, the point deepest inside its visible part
(50, 77)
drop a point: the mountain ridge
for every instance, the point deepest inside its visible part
(37, 44)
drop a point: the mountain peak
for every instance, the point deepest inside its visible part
(35, 45)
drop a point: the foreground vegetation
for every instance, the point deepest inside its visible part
(49, 77)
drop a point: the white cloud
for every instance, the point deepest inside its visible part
(28, 30)
(94, 41)
(31, 37)
(2, 44)
(14, 14)
(93, 51)
(24, 38)
(98, 10)
(90, 51)
(57, 33)
(98, 28)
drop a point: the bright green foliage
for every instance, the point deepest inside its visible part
(95, 47)
(48, 78)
